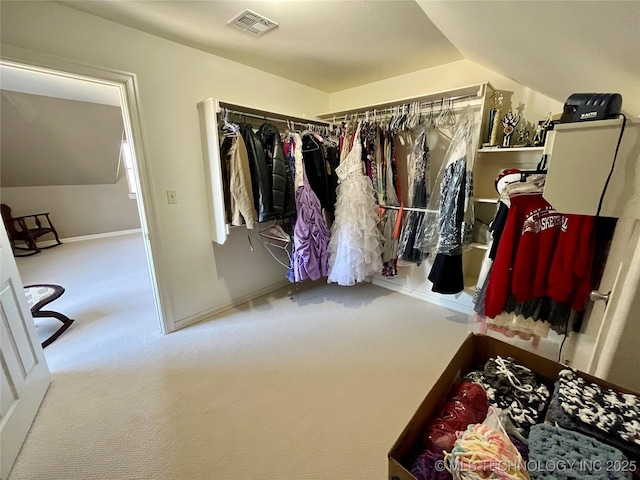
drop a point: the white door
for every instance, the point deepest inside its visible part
(593, 350)
(25, 374)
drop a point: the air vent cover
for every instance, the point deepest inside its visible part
(253, 23)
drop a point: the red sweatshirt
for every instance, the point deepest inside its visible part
(524, 252)
(541, 253)
(570, 273)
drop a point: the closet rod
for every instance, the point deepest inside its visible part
(421, 105)
(296, 120)
(409, 209)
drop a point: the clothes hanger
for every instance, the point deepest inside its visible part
(275, 232)
(281, 247)
(541, 169)
(313, 139)
(274, 236)
(229, 129)
(446, 117)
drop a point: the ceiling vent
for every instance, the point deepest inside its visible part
(253, 23)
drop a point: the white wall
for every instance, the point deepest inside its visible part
(171, 79)
(624, 364)
(445, 77)
(77, 210)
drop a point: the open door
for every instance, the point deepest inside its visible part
(593, 349)
(25, 374)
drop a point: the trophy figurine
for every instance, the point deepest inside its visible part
(541, 131)
(494, 118)
(509, 122)
(523, 136)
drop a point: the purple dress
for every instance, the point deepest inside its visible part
(310, 234)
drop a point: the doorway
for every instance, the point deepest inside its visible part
(54, 79)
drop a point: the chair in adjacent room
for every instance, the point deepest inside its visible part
(28, 229)
(40, 295)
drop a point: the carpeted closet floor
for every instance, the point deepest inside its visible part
(314, 386)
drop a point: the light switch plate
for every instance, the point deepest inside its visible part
(172, 197)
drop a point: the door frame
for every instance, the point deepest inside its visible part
(127, 85)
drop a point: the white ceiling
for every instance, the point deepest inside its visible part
(35, 82)
(328, 45)
(554, 47)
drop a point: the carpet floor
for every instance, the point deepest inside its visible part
(315, 385)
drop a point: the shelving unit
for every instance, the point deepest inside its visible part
(489, 163)
(509, 150)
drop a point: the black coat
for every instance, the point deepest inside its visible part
(260, 173)
(283, 202)
(315, 168)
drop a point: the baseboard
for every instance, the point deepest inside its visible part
(184, 322)
(47, 243)
(430, 297)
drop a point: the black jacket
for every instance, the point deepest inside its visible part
(315, 167)
(283, 202)
(260, 173)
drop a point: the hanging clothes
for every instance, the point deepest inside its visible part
(542, 253)
(368, 152)
(310, 235)
(355, 239)
(380, 165)
(316, 169)
(260, 174)
(282, 196)
(496, 228)
(449, 223)
(413, 227)
(242, 209)
(332, 156)
(225, 167)
(449, 220)
(446, 274)
(571, 268)
(391, 181)
(527, 245)
(392, 218)
(390, 243)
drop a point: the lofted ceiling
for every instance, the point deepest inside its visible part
(55, 141)
(328, 45)
(556, 48)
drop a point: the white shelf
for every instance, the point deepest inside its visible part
(486, 200)
(481, 246)
(512, 149)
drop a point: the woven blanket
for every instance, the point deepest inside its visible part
(556, 453)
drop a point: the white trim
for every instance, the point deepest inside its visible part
(82, 238)
(434, 298)
(100, 235)
(212, 312)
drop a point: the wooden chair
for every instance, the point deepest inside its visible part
(40, 295)
(27, 229)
